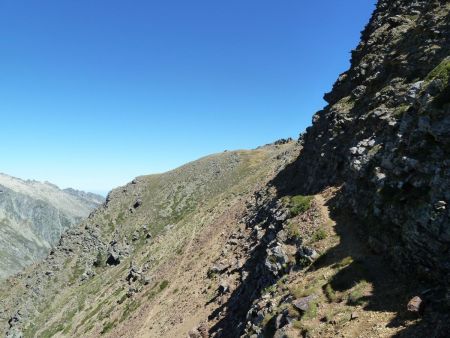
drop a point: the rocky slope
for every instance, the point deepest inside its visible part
(385, 137)
(345, 234)
(136, 247)
(33, 215)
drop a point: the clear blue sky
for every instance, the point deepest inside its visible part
(96, 92)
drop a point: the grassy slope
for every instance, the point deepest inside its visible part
(184, 200)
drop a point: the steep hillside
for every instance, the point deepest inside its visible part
(33, 215)
(134, 249)
(344, 234)
(384, 139)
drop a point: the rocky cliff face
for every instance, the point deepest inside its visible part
(33, 216)
(385, 136)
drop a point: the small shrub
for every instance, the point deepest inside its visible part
(318, 235)
(269, 289)
(293, 230)
(356, 296)
(299, 204)
(442, 72)
(292, 311)
(311, 312)
(163, 284)
(108, 326)
(401, 109)
(297, 324)
(344, 262)
(122, 299)
(331, 295)
(100, 261)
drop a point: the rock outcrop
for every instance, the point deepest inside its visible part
(385, 136)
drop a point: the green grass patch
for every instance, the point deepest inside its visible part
(129, 308)
(299, 204)
(318, 235)
(357, 294)
(52, 330)
(331, 294)
(344, 262)
(401, 109)
(100, 260)
(108, 326)
(293, 230)
(441, 72)
(311, 312)
(163, 285)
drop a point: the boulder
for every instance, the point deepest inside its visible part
(302, 304)
(415, 305)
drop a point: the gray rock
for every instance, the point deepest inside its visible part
(303, 303)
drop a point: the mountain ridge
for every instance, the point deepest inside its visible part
(343, 233)
(33, 216)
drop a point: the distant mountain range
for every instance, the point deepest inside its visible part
(33, 215)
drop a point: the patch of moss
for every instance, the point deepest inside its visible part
(299, 291)
(374, 150)
(441, 72)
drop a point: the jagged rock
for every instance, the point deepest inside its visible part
(276, 259)
(194, 333)
(135, 236)
(87, 274)
(303, 303)
(133, 273)
(224, 287)
(217, 269)
(14, 333)
(308, 253)
(282, 320)
(137, 204)
(113, 258)
(354, 315)
(415, 305)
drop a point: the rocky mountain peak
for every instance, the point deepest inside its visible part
(33, 216)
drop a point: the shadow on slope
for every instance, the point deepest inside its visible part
(390, 292)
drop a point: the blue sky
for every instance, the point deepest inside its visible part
(96, 92)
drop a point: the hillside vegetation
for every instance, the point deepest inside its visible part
(133, 250)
